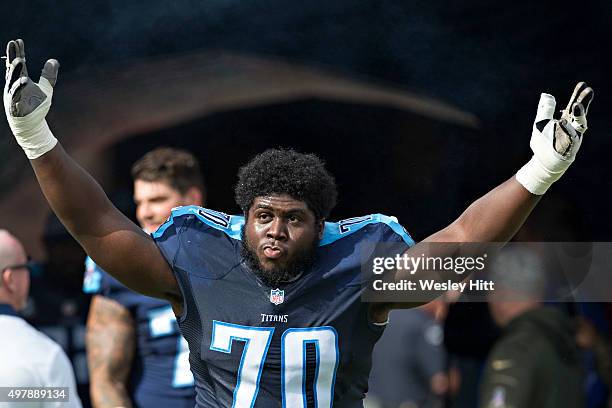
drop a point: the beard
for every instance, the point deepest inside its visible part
(301, 262)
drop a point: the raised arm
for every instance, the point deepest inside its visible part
(498, 215)
(111, 239)
(494, 217)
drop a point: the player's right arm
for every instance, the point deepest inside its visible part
(114, 242)
(110, 343)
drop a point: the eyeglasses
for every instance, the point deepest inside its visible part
(28, 265)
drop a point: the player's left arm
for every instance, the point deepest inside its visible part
(494, 217)
(498, 215)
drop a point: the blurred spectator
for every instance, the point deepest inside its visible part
(29, 358)
(536, 362)
(57, 306)
(588, 337)
(413, 374)
(469, 335)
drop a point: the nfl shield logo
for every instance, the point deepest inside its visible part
(277, 296)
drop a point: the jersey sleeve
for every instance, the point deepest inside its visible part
(200, 241)
(373, 227)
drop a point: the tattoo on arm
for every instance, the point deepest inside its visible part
(110, 349)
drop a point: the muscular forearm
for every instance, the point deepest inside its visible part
(116, 244)
(498, 215)
(495, 217)
(76, 198)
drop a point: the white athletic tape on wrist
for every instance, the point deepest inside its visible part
(35, 141)
(535, 177)
(31, 131)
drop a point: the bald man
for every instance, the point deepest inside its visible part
(29, 358)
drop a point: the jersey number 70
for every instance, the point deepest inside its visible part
(293, 361)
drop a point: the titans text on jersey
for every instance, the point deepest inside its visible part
(251, 345)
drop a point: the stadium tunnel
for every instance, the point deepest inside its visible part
(384, 145)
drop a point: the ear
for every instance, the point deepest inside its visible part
(8, 281)
(194, 196)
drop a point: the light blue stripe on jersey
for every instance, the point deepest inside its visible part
(93, 277)
(232, 224)
(337, 230)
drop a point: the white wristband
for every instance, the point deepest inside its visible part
(536, 178)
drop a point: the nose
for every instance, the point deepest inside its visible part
(277, 230)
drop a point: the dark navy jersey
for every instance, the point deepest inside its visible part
(307, 343)
(160, 373)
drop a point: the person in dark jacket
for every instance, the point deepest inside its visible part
(536, 361)
(588, 337)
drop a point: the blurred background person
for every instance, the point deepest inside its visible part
(469, 335)
(135, 352)
(591, 338)
(536, 361)
(409, 361)
(56, 305)
(28, 358)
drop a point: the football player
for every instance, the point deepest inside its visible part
(269, 302)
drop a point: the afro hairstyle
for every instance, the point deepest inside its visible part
(285, 171)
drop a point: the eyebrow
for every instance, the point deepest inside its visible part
(289, 211)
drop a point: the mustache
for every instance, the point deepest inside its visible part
(300, 263)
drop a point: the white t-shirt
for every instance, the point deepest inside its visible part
(28, 358)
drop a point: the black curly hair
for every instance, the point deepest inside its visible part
(285, 171)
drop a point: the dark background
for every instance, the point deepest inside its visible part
(489, 58)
